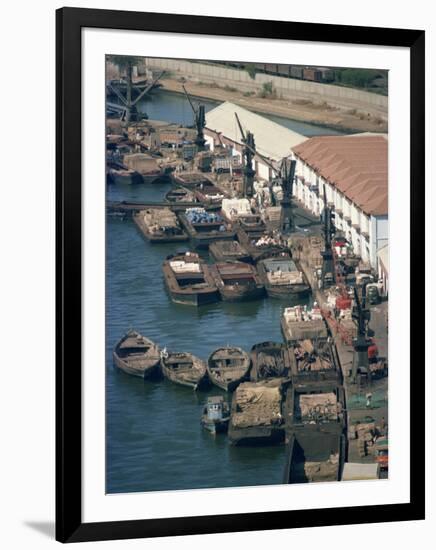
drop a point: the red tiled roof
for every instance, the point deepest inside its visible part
(356, 165)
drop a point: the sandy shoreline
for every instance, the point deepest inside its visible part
(320, 114)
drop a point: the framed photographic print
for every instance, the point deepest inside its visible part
(240, 226)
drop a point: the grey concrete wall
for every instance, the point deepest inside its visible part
(285, 87)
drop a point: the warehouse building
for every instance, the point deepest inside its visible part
(272, 140)
(354, 171)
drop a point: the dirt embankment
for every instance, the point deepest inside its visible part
(314, 110)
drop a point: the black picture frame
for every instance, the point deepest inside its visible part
(69, 23)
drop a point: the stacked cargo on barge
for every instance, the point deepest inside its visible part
(282, 276)
(269, 360)
(160, 225)
(188, 280)
(147, 166)
(298, 323)
(205, 227)
(256, 414)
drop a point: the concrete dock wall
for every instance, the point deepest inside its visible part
(285, 87)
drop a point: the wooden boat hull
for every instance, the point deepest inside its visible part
(148, 372)
(156, 178)
(241, 294)
(282, 292)
(194, 377)
(190, 295)
(231, 380)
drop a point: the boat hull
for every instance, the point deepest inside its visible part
(283, 292)
(215, 426)
(144, 373)
(158, 238)
(242, 294)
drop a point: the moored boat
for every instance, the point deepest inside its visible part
(184, 368)
(159, 225)
(205, 227)
(237, 281)
(137, 355)
(122, 175)
(269, 360)
(147, 167)
(258, 243)
(282, 276)
(228, 367)
(180, 194)
(216, 415)
(298, 323)
(188, 280)
(227, 251)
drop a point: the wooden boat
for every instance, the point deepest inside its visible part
(269, 360)
(190, 180)
(147, 167)
(282, 276)
(180, 194)
(228, 366)
(159, 225)
(258, 243)
(137, 355)
(237, 281)
(124, 176)
(184, 369)
(205, 227)
(209, 194)
(227, 251)
(216, 415)
(188, 280)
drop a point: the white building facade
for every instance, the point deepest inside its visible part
(360, 209)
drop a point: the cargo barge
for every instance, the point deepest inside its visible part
(228, 251)
(160, 225)
(188, 280)
(258, 243)
(282, 276)
(269, 360)
(298, 323)
(314, 456)
(237, 281)
(256, 414)
(205, 227)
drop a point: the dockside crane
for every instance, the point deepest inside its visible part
(248, 153)
(361, 317)
(329, 230)
(128, 108)
(200, 122)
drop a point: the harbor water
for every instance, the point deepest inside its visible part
(153, 433)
